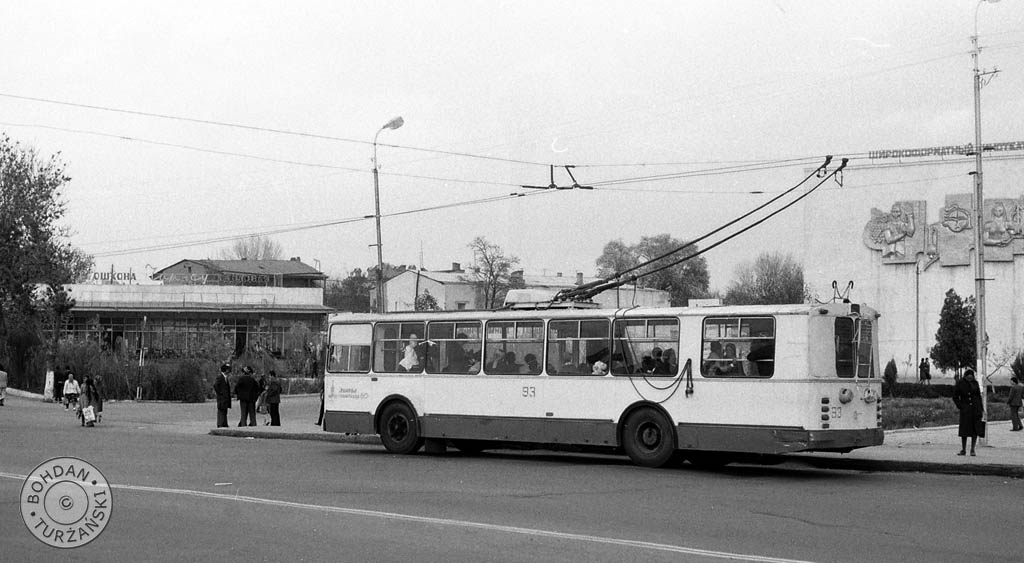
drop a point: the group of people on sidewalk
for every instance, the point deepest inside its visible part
(253, 396)
(967, 397)
(85, 398)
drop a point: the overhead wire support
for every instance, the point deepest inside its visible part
(553, 186)
(591, 289)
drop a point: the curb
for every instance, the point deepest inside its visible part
(371, 439)
(893, 466)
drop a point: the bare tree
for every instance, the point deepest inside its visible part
(492, 270)
(772, 278)
(256, 247)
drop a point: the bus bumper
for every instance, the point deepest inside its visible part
(768, 440)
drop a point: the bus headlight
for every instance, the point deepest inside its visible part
(845, 396)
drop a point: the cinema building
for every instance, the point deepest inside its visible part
(902, 228)
(256, 301)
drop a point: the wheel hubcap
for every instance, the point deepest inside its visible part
(649, 436)
(398, 428)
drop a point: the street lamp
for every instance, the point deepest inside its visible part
(979, 203)
(393, 124)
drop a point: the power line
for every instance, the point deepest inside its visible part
(252, 156)
(264, 129)
(214, 240)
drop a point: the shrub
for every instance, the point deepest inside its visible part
(890, 373)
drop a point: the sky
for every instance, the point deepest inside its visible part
(184, 124)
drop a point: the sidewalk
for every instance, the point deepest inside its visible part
(926, 450)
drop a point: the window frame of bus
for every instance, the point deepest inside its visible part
(487, 369)
(331, 345)
(434, 351)
(403, 337)
(654, 340)
(741, 358)
(849, 365)
(550, 341)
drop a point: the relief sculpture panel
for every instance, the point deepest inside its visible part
(903, 233)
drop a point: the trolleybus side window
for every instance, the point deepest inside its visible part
(456, 347)
(514, 347)
(578, 347)
(399, 347)
(647, 346)
(349, 350)
(738, 347)
(853, 347)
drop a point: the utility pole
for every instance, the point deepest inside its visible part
(979, 224)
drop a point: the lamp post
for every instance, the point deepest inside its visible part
(393, 124)
(979, 217)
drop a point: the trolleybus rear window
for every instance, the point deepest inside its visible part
(853, 347)
(349, 350)
(738, 347)
(646, 346)
(514, 347)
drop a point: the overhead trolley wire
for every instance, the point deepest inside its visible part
(226, 238)
(265, 129)
(255, 157)
(588, 290)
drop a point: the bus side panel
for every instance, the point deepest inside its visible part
(351, 401)
(514, 429)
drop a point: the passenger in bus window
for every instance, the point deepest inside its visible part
(413, 354)
(532, 366)
(568, 366)
(728, 365)
(762, 356)
(712, 359)
(600, 366)
(669, 357)
(660, 366)
(646, 364)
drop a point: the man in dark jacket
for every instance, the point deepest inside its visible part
(247, 390)
(222, 389)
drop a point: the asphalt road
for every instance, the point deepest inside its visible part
(181, 495)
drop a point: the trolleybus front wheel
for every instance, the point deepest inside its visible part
(399, 431)
(648, 438)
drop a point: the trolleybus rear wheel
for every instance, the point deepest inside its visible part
(399, 430)
(648, 438)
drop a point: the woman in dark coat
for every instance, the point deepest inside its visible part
(274, 399)
(967, 397)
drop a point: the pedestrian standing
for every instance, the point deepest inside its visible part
(925, 371)
(1015, 401)
(71, 391)
(58, 385)
(3, 385)
(274, 399)
(90, 402)
(247, 391)
(967, 397)
(223, 391)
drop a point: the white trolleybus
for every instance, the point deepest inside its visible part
(707, 384)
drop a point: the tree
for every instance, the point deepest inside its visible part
(426, 302)
(955, 345)
(350, 294)
(33, 248)
(772, 278)
(492, 271)
(683, 281)
(889, 375)
(256, 247)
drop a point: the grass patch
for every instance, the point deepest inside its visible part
(923, 413)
